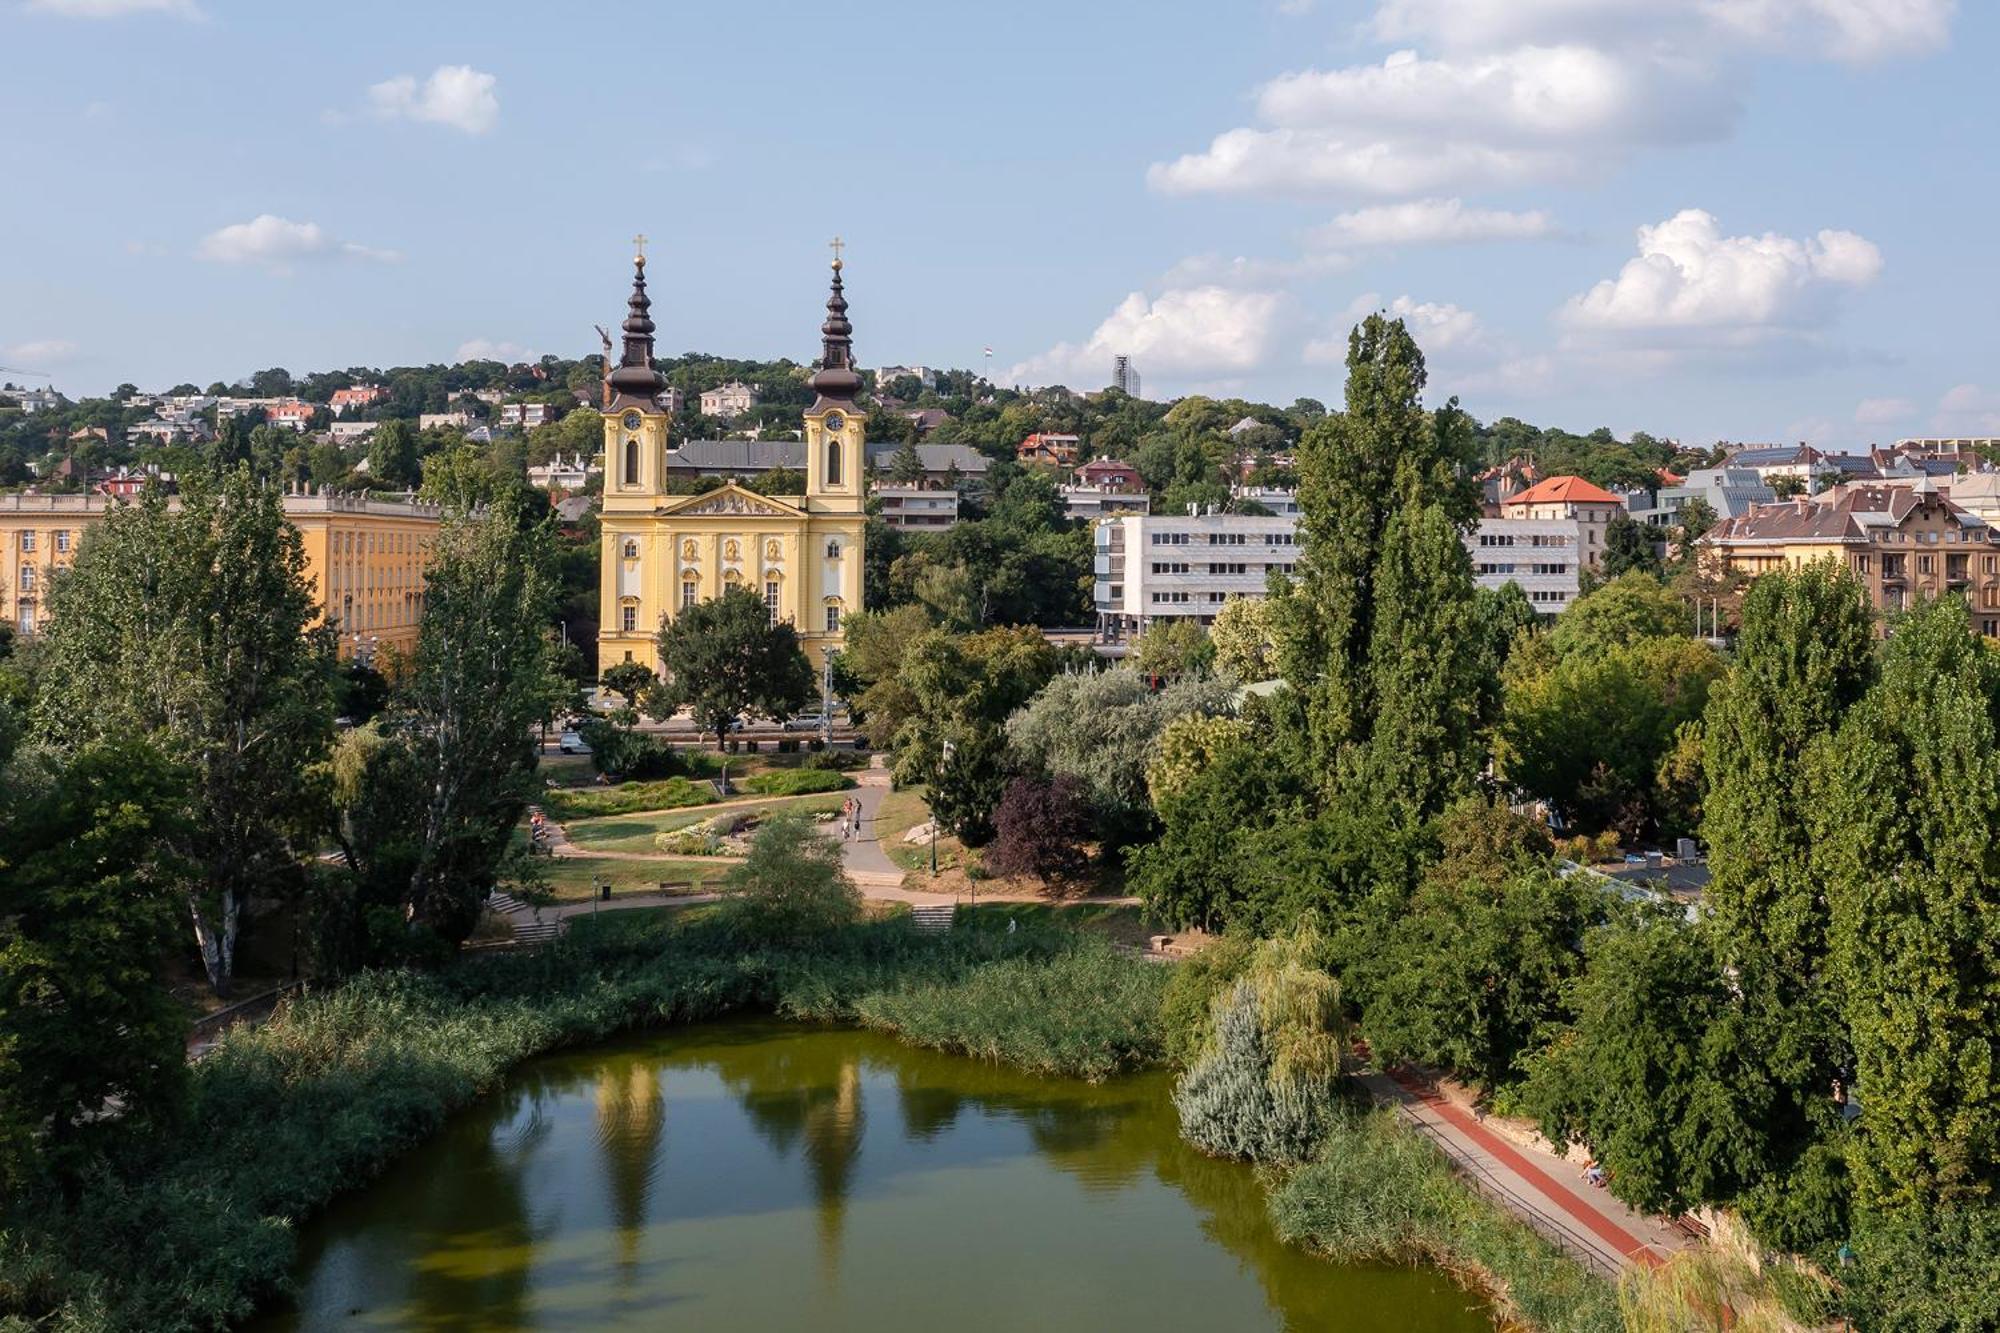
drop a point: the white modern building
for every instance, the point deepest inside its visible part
(1095, 502)
(1542, 555)
(1280, 500)
(1159, 566)
(917, 508)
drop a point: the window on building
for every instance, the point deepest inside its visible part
(632, 462)
(771, 600)
(690, 593)
(27, 541)
(628, 618)
(27, 578)
(833, 550)
(833, 617)
(833, 460)
(631, 549)
(62, 540)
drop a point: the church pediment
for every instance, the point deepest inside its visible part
(730, 502)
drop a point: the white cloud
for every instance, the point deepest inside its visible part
(1883, 411)
(1429, 222)
(277, 243)
(1856, 30)
(1182, 334)
(1514, 92)
(487, 349)
(38, 352)
(455, 95)
(1440, 328)
(1412, 125)
(111, 9)
(1242, 271)
(1967, 409)
(1738, 289)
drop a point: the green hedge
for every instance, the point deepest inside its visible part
(795, 782)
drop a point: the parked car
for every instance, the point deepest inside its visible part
(809, 723)
(571, 743)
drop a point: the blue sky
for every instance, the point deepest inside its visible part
(1751, 219)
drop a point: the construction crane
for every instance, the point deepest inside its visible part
(16, 370)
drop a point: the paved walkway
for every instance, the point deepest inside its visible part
(1544, 1190)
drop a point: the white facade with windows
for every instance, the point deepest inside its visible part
(1542, 555)
(1150, 567)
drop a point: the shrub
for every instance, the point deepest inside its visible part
(1039, 829)
(792, 886)
(837, 760)
(1586, 850)
(1378, 1193)
(795, 782)
(622, 754)
(1187, 1012)
(627, 799)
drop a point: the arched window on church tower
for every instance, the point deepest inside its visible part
(833, 460)
(632, 462)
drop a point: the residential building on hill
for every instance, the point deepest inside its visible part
(803, 556)
(31, 400)
(565, 474)
(443, 420)
(1902, 542)
(728, 401)
(365, 559)
(1183, 566)
(355, 398)
(1281, 500)
(1125, 376)
(526, 415)
(1095, 502)
(1110, 474)
(1727, 491)
(1569, 498)
(291, 413)
(1047, 448)
(917, 508)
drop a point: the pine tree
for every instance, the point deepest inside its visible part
(1908, 799)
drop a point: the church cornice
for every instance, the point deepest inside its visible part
(729, 501)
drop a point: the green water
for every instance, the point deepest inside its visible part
(754, 1175)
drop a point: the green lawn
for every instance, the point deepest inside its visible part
(570, 880)
(635, 833)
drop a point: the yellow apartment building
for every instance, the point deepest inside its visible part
(802, 555)
(365, 560)
(1903, 543)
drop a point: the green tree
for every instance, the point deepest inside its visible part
(1245, 648)
(1628, 547)
(1804, 658)
(1172, 647)
(87, 910)
(189, 625)
(1384, 453)
(1189, 746)
(876, 645)
(792, 887)
(723, 660)
(483, 674)
(392, 456)
(1631, 607)
(630, 679)
(1904, 808)
(1589, 733)
(1477, 964)
(906, 465)
(1695, 517)
(962, 689)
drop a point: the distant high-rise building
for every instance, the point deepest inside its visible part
(1125, 375)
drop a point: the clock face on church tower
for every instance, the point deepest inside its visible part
(834, 421)
(631, 421)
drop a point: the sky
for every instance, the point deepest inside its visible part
(1707, 219)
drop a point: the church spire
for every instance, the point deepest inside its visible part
(836, 381)
(636, 377)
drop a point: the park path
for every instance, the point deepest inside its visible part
(1546, 1191)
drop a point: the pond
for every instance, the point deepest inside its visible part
(755, 1175)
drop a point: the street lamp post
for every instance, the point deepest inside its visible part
(944, 757)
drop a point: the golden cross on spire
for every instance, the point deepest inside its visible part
(639, 245)
(836, 245)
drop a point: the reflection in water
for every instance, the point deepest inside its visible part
(989, 1199)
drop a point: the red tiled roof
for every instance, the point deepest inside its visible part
(1563, 490)
(1668, 478)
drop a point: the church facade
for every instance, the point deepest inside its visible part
(662, 553)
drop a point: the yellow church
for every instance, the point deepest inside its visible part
(662, 552)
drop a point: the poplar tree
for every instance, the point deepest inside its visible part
(1804, 658)
(1908, 800)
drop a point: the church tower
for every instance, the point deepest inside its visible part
(635, 425)
(835, 426)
